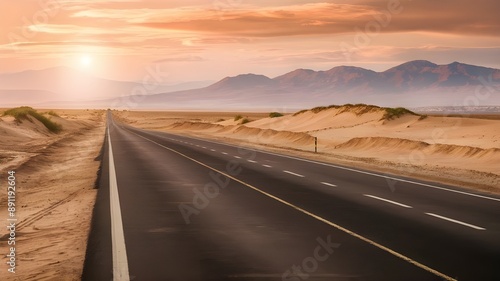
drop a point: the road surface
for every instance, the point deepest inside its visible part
(172, 207)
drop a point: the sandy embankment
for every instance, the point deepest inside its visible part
(55, 196)
(452, 150)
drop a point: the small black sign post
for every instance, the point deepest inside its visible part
(315, 144)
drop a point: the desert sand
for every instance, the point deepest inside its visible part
(460, 150)
(55, 193)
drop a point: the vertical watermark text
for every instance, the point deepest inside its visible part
(11, 221)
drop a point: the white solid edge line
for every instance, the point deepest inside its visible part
(292, 173)
(357, 171)
(457, 221)
(329, 184)
(120, 262)
(343, 229)
(387, 200)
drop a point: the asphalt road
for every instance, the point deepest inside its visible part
(172, 207)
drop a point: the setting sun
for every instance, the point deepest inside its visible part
(85, 61)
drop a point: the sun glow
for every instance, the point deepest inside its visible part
(85, 61)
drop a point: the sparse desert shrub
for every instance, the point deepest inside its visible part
(422, 117)
(23, 113)
(319, 109)
(361, 108)
(52, 113)
(275, 114)
(19, 113)
(244, 121)
(300, 112)
(391, 113)
(220, 120)
(237, 117)
(323, 108)
(366, 108)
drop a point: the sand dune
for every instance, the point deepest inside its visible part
(328, 118)
(396, 144)
(273, 136)
(457, 150)
(55, 193)
(248, 133)
(24, 131)
(23, 139)
(196, 126)
(381, 143)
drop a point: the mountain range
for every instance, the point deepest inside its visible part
(70, 87)
(411, 84)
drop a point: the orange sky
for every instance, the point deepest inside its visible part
(208, 40)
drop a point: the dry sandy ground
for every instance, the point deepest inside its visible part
(55, 174)
(461, 151)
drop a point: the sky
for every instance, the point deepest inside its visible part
(194, 40)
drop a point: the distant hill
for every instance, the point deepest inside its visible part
(416, 83)
(13, 98)
(408, 77)
(65, 85)
(242, 82)
(412, 84)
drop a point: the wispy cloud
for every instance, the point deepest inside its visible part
(322, 18)
(329, 18)
(189, 58)
(258, 36)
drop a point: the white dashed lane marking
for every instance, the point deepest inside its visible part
(456, 221)
(292, 173)
(388, 201)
